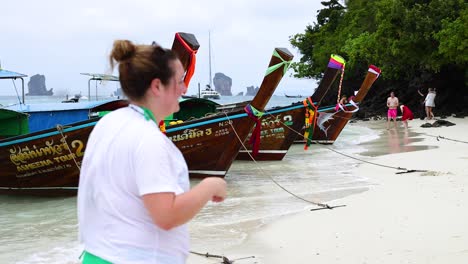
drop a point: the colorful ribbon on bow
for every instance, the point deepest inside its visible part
(276, 66)
(255, 115)
(191, 66)
(310, 120)
(340, 106)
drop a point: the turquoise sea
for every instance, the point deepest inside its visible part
(44, 230)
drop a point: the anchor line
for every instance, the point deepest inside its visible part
(271, 178)
(352, 157)
(64, 139)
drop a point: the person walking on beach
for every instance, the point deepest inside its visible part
(392, 104)
(134, 196)
(407, 114)
(429, 102)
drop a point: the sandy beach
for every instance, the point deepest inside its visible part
(418, 217)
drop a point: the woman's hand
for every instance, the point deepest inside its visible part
(218, 186)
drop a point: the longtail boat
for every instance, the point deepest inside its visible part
(210, 144)
(281, 125)
(330, 123)
(47, 162)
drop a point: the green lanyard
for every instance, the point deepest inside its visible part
(145, 112)
(89, 258)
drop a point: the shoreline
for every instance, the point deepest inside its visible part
(417, 217)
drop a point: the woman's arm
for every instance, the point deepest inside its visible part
(169, 210)
(427, 96)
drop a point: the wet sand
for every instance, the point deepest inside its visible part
(418, 217)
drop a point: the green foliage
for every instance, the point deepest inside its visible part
(453, 36)
(405, 38)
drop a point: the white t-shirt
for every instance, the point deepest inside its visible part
(126, 157)
(430, 97)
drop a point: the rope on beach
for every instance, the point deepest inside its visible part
(225, 259)
(64, 140)
(366, 161)
(402, 170)
(323, 205)
(441, 137)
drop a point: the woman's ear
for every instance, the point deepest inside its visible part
(155, 86)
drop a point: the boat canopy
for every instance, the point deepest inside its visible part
(102, 77)
(98, 77)
(193, 107)
(4, 74)
(13, 123)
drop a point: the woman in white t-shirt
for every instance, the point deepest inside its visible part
(134, 196)
(429, 103)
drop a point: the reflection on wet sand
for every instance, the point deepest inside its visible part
(394, 141)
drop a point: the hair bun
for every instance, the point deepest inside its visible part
(123, 50)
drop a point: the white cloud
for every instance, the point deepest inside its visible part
(61, 39)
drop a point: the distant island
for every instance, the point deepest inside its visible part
(37, 86)
(223, 85)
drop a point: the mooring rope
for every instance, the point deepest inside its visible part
(355, 158)
(323, 205)
(441, 137)
(64, 140)
(224, 258)
(341, 83)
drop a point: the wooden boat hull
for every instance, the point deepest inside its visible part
(208, 144)
(280, 128)
(44, 163)
(330, 123)
(282, 125)
(211, 144)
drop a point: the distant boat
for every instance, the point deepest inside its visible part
(293, 96)
(74, 99)
(209, 93)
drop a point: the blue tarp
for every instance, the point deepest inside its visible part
(47, 115)
(4, 74)
(47, 107)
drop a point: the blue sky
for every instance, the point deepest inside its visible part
(61, 39)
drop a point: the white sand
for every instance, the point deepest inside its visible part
(417, 217)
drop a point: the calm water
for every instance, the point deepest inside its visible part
(40, 230)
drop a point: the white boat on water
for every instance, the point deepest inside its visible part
(209, 93)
